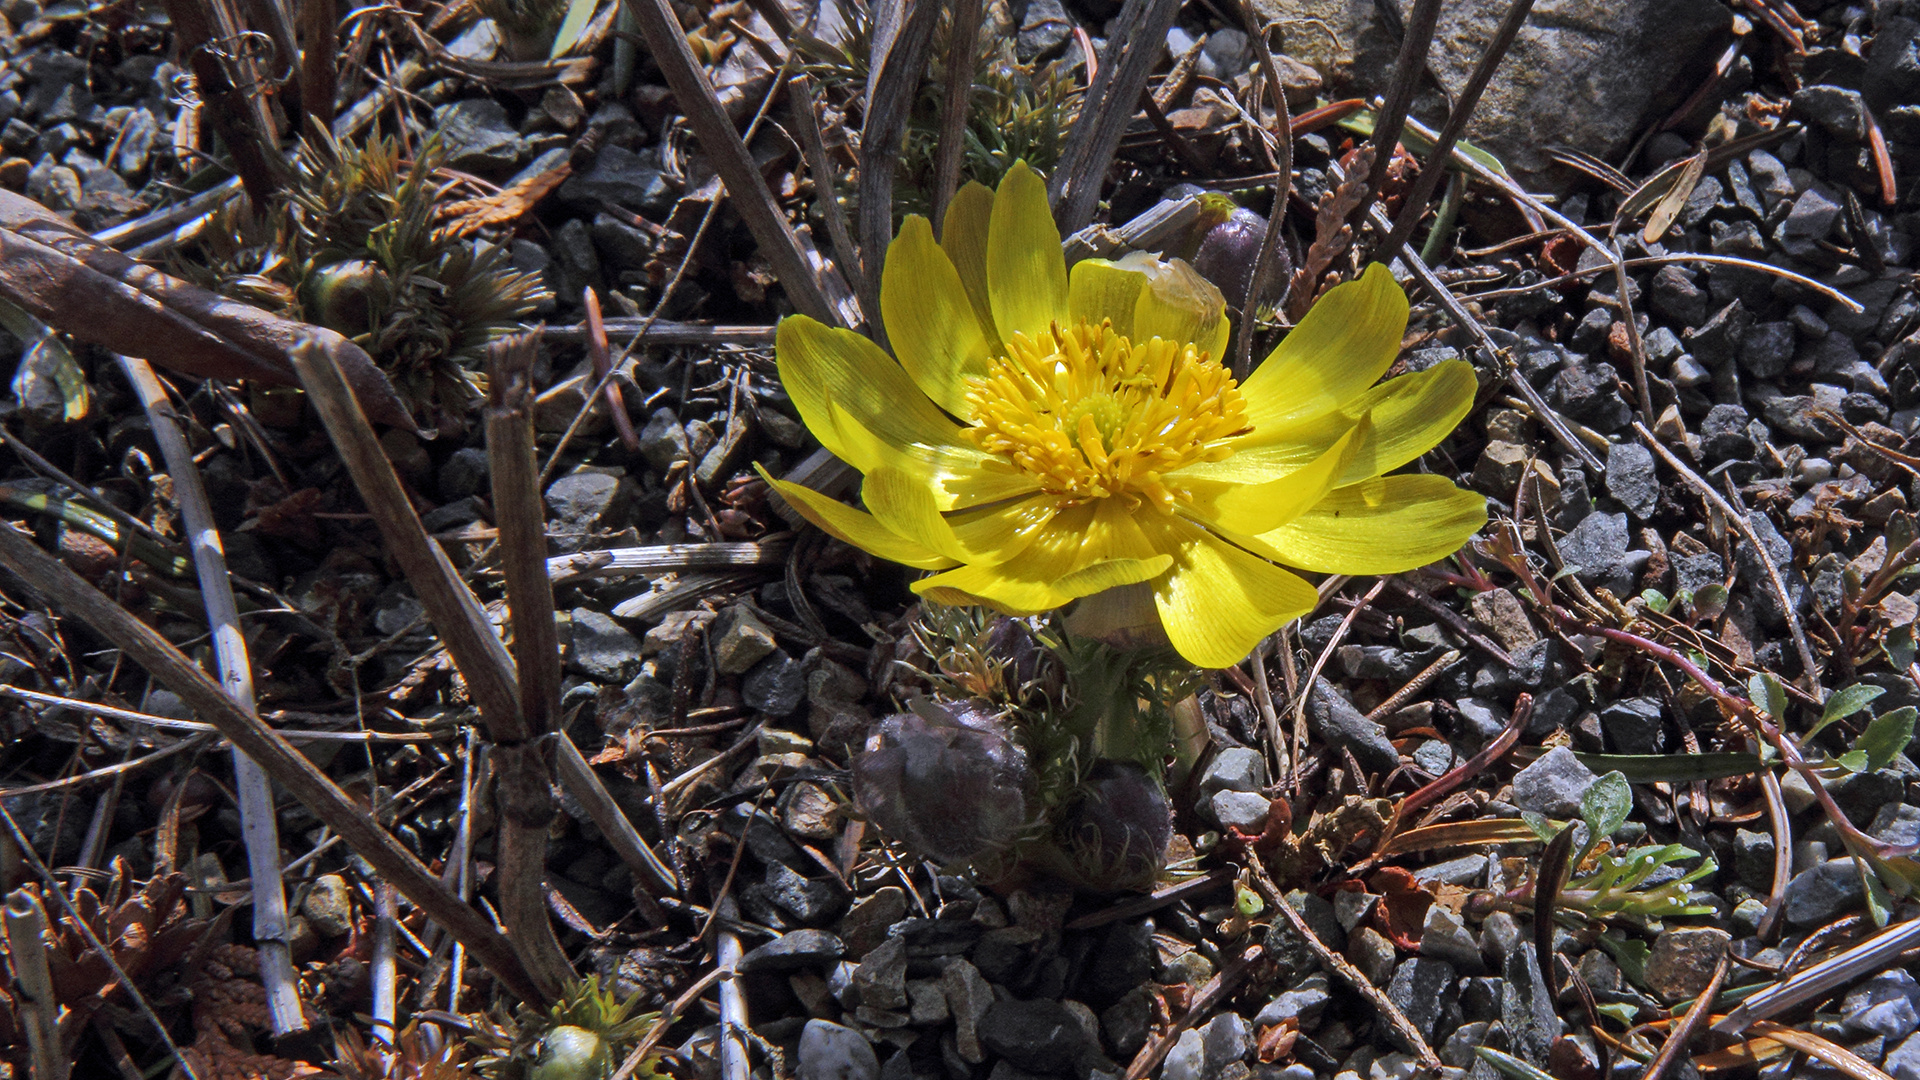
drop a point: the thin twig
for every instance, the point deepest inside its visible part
(1434, 167)
(1407, 69)
(1138, 39)
(1689, 1025)
(1282, 161)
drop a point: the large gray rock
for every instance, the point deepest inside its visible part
(1585, 73)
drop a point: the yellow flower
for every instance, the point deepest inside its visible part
(1047, 436)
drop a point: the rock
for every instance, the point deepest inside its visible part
(329, 906)
(1124, 959)
(831, 1052)
(1896, 823)
(1589, 391)
(478, 136)
(865, 926)
(969, 998)
(1125, 1023)
(1723, 434)
(1893, 987)
(1598, 546)
(1766, 349)
(1553, 784)
(1335, 720)
(1818, 895)
(1754, 572)
(1753, 854)
(1188, 1058)
(1227, 1041)
(1499, 469)
(1682, 961)
(1445, 937)
(1636, 725)
(740, 640)
(796, 950)
(664, 440)
(1373, 954)
(1621, 64)
(1903, 1061)
(776, 686)
(1421, 987)
(881, 978)
(1842, 112)
(1631, 478)
(602, 649)
(1243, 811)
(1674, 293)
(1465, 870)
(810, 902)
(583, 502)
(1045, 28)
(1501, 613)
(1302, 1003)
(1041, 1035)
(1237, 768)
(1526, 1007)
(464, 473)
(618, 176)
(1812, 218)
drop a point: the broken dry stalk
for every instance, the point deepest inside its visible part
(259, 823)
(27, 944)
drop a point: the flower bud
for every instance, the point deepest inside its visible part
(1230, 249)
(1117, 832)
(944, 779)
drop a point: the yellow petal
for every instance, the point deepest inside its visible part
(1026, 273)
(929, 319)
(1411, 415)
(1381, 526)
(1099, 289)
(1081, 551)
(904, 504)
(1218, 602)
(1177, 304)
(862, 530)
(1258, 508)
(863, 407)
(997, 533)
(963, 236)
(1346, 342)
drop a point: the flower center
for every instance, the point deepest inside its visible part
(1093, 415)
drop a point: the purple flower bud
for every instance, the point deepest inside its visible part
(1119, 829)
(1229, 251)
(944, 779)
(1010, 642)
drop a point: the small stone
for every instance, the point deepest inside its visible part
(464, 473)
(1723, 434)
(1499, 469)
(1553, 785)
(1682, 961)
(1841, 111)
(1124, 1024)
(1501, 612)
(776, 686)
(1818, 895)
(1045, 28)
(1420, 988)
(1237, 768)
(810, 902)
(1636, 725)
(1243, 811)
(1753, 854)
(1350, 906)
(1336, 720)
(831, 1052)
(1302, 1004)
(928, 1003)
(740, 640)
(478, 136)
(1903, 1061)
(664, 440)
(1766, 349)
(329, 906)
(1632, 480)
(881, 978)
(618, 176)
(1373, 953)
(1445, 937)
(1812, 218)
(796, 950)
(1041, 1035)
(602, 649)
(1227, 1041)
(1465, 870)
(1675, 295)
(969, 997)
(1598, 546)
(1188, 1058)
(587, 501)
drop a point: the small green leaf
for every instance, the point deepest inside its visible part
(1567, 570)
(1710, 601)
(1879, 901)
(1844, 703)
(1853, 761)
(1627, 1014)
(1766, 692)
(1656, 601)
(1630, 954)
(1886, 737)
(579, 14)
(1899, 648)
(1541, 826)
(1606, 804)
(1508, 1065)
